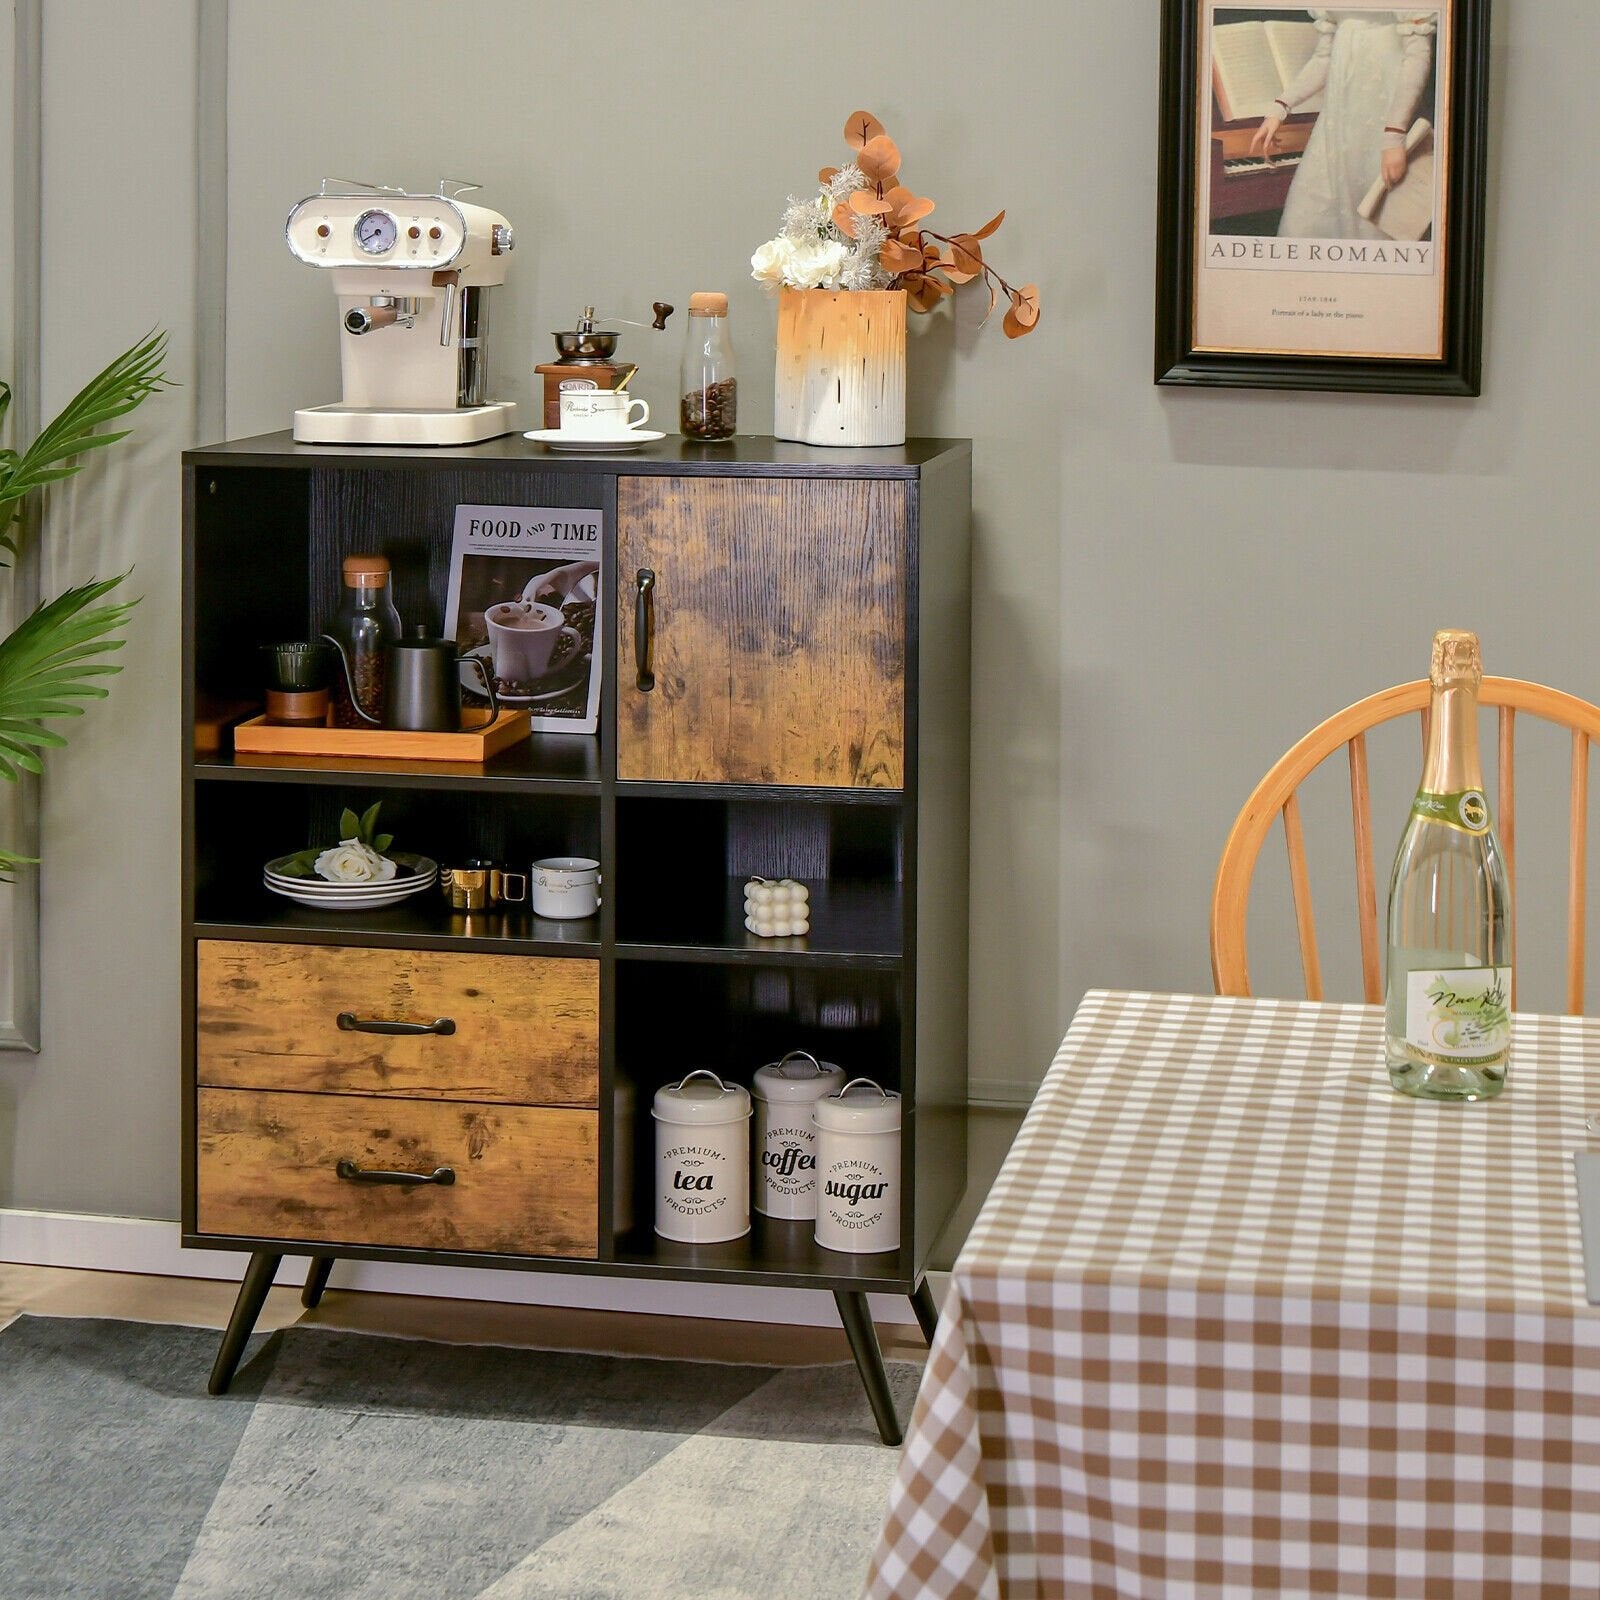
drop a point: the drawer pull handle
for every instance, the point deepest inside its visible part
(348, 1170)
(644, 618)
(349, 1022)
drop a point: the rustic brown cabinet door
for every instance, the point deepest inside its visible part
(774, 629)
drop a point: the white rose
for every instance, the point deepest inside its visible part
(816, 266)
(769, 263)
(351, 861)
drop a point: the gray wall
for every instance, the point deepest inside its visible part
(1169, 587)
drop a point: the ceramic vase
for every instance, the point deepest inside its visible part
(841, 372)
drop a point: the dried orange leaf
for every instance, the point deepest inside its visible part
(955, 274)
(989, 226)
(907, 207)
(861, 127)
(967, 253)
(1013, 328)
(897, 257)
(923, 293)
(1025, 303)
(844, 219)
(866, 204)
(879, 159)
(827, 175)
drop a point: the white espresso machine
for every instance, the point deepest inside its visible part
(412, 273)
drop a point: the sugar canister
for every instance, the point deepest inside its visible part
(858, 1168)
(786, 1135)
(702, 1159)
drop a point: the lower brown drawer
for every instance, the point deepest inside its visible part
(525, 1178)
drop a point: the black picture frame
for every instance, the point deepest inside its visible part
(1179, 361)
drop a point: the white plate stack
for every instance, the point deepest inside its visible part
(413, 874)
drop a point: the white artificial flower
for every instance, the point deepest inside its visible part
(351, 861)
(816, 266)
(770, 263)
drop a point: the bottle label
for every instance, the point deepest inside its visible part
(1467, 809)
(1459, 1016)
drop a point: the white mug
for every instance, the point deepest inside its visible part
(600, 413)
(523, 635)
(565, 886)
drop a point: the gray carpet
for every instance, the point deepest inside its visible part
(343, 1465)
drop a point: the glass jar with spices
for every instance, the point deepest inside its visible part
(367, 624)
(710, 393)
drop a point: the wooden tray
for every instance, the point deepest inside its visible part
(260, 737)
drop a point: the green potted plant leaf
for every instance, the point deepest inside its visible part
(49, 662)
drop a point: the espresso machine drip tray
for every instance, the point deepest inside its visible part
(339, 424)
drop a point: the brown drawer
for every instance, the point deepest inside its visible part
(525, 1178)
(525, 1029)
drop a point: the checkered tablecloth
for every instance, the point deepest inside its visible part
(1238, 1320)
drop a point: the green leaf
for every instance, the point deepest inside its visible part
(48, 659)
(382, 842)
(130, 379)
(349, 825)
(369, 820)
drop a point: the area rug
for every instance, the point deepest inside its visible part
(387, 1469)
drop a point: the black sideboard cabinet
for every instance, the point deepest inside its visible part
(788, 697)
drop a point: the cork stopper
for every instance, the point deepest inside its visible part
(704, 304)
(1456, 658)
(370, 572)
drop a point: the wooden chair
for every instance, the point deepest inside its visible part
(1275, 796)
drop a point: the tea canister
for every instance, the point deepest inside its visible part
(786, 1135)
(702, 1159)
(858, 1168)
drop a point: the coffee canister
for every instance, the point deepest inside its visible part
(786, 1135)
(702, 1159)
(858, 1168)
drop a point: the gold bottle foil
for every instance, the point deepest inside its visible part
(1452, 764)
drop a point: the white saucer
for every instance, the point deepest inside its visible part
(557, 440)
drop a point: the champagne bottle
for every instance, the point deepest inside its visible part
(1448, 1002)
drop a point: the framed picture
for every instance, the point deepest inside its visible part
(1321, 218)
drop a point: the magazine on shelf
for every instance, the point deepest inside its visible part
(524, 599)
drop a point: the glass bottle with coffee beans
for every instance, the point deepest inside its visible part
(366, 625)
(709, 405)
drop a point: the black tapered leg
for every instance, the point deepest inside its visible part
(316, 1282)
(864, 1347)
(258, 1278)
(927, 1312)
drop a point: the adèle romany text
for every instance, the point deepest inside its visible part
(1383, 257)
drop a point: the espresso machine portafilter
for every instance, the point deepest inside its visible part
(411, 274)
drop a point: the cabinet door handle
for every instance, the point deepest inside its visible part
(351, 1173)
(644, 622)
(349, 1022)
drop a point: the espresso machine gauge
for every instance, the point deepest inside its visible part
(376, 232)
(411, 275)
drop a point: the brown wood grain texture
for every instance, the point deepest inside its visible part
(1508, 824)
(526, 1027)
(1300, 887)
(474, 744)
(526, 1177)
(1366, 878)
(780, 631)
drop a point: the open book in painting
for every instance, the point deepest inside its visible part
(1406, 211)
(1252, 63)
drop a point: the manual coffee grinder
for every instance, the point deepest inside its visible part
(412, 273)
(585, 359)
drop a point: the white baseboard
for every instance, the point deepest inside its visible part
(144, 1245)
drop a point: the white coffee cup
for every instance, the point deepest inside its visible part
(565, 886)
(600, 413)
(523, 635)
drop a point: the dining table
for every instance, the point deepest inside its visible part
(1237, 1319)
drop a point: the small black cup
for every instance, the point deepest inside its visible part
(300, 664)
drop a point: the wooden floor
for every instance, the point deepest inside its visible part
(68, 1292)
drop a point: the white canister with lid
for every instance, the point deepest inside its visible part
(702, 1159)
(858, 1168)
(786, 1134)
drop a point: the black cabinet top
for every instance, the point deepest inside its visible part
(746, 455)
